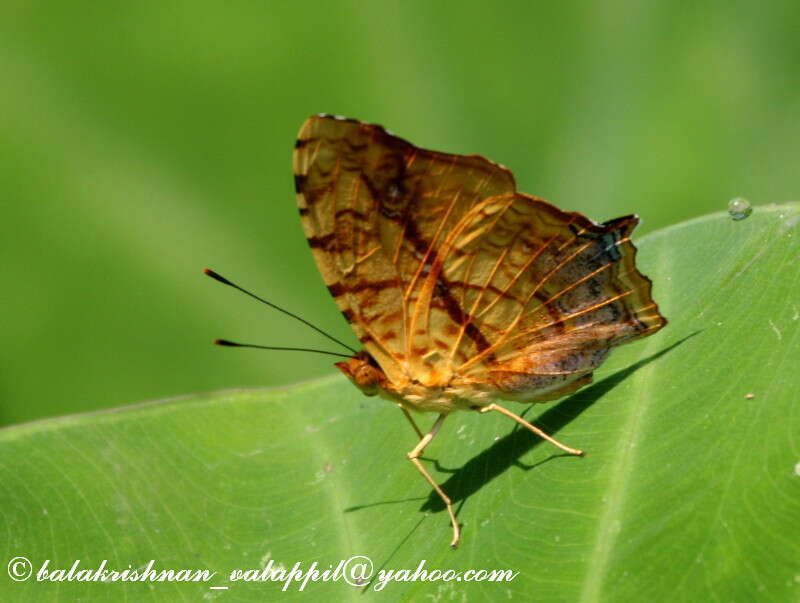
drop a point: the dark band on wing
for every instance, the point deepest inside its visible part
(336, 289)
(299, 182)
(339, 289)
(442, 290)
(349, 211)
(322, 242)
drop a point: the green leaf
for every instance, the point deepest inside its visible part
(690, 489)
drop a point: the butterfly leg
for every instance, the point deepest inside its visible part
(533, 428)
(413, 456)
(412, 421)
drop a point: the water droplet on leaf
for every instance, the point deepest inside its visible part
(739, 208)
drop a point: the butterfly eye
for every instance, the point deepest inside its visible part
(363, 374)
(366, 376)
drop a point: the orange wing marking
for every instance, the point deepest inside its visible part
(504, 338)
(471, 314)
(567, 317)
(518, 276)
(430, 251)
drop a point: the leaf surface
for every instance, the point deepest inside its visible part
(690, 489)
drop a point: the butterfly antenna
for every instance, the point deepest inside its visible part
(233, 344)
(225, 281)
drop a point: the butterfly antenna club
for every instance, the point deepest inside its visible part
(224, 281)
(233, 344)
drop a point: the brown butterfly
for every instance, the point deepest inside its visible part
(461, 289)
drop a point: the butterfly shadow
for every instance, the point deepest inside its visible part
(507, 451)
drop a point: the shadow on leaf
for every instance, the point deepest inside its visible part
(506, 452)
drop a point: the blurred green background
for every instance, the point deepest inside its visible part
(142, 141)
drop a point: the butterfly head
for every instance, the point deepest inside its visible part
(364, 372)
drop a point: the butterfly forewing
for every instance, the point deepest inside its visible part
(347, 237)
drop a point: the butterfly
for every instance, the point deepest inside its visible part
(461, 289)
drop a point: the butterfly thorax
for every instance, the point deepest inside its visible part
(438, 396)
